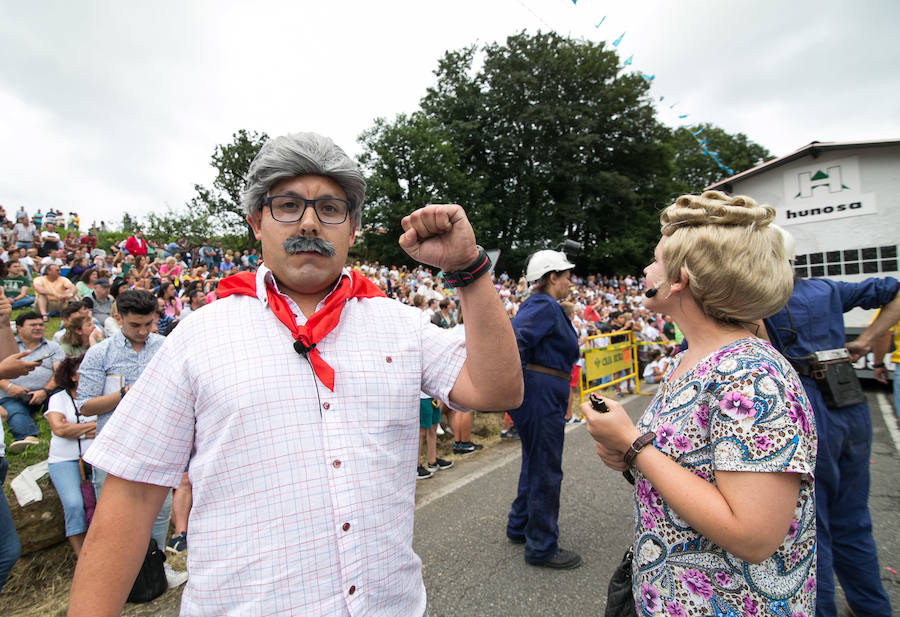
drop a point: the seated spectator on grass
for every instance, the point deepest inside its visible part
(442, 318)
(65, 316)
(103, 301)
(80, 265)
(81, 333)
(656, 368)
(171, 304)
(85, 284)
(170, 268)
(163, 321)
(71, 436)
(24, 395)
(53, 291)
(56, 256)
(196, 299)
(30, 261)
(16, 284)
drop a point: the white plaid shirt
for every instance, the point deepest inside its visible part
(303, 498)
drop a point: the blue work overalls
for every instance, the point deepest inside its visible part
(844, 541)
(545, 337)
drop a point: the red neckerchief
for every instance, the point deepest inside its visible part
(319, 324)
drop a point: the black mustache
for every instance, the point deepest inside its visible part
(304, 244)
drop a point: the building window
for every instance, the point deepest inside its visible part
(869, 260)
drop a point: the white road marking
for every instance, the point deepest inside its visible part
(890, 418)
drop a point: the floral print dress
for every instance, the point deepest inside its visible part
(741, 408)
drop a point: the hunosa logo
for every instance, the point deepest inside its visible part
(823, 190)
(808, 182)
(790, 214)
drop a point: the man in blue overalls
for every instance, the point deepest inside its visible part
(813, 320)
(548, 348)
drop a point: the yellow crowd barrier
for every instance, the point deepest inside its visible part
(610, 360)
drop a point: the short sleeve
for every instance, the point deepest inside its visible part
(151, 433)
(58, 354)
(443, 355)
(91, 375)
(760, 419)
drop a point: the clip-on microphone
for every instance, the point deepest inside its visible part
(302, 349)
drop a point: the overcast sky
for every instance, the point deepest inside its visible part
(117, 106)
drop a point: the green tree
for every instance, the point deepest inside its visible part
(409, 163)
(552, 141)
(695, 169)
(221, 204)
(191, 222)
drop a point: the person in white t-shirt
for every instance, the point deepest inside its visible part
(71, 436)
(656, 368)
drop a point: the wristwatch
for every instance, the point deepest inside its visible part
(466, 276)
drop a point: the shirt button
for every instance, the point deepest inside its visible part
(352, 590)
(388, 359)
(325, 405)
(335, 463)
(346, 526)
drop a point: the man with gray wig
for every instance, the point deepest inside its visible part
(297, 419)
(298, 154)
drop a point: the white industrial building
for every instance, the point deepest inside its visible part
(841, 202)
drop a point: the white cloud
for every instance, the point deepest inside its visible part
(110, 107)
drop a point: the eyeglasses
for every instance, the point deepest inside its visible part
(291, 208)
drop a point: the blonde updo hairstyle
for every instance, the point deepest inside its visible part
(734, 259)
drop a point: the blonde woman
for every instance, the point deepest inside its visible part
(730, 424)
(170, 268)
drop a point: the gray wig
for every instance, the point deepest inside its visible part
(297, 154)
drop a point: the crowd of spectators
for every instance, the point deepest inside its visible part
(49, 272)
(177, 272)
(49, 265)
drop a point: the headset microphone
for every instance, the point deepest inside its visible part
(654, 290)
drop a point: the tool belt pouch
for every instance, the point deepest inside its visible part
(836, 377)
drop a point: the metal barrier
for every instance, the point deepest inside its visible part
(601, 363)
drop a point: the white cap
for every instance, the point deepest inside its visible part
(543, 262)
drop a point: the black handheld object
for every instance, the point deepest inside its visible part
(302, 349)
(600, 407)
(598, 404)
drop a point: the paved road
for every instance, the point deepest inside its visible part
(470, 569)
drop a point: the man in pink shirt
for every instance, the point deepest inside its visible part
(297, 420)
